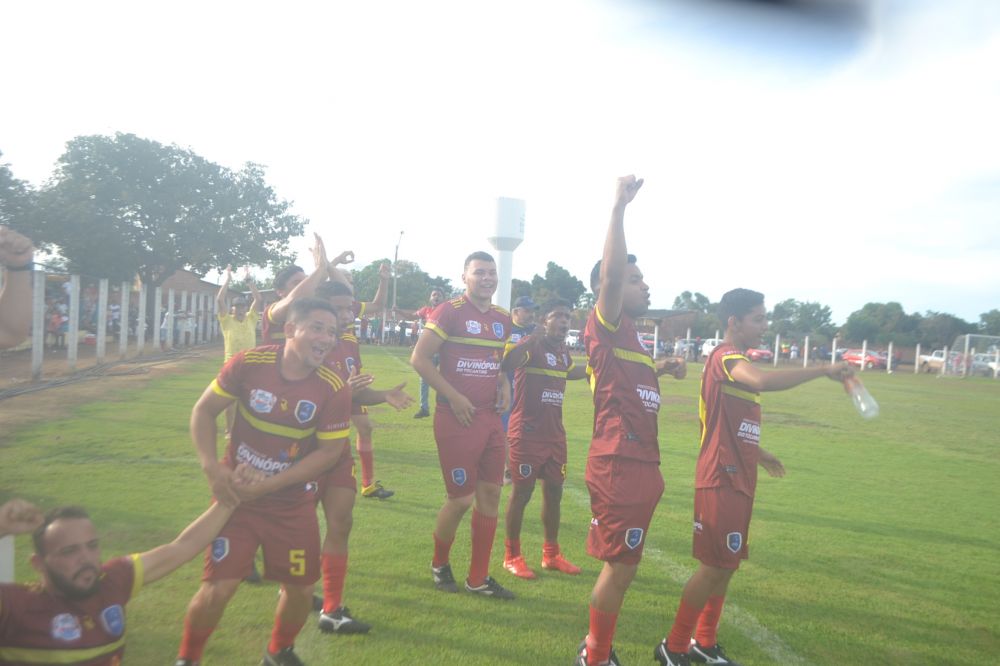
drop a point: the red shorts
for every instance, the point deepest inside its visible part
(623, 495)
(530, 460)
(341, 475)
(469, 454)
(289, 537)
(721, 526)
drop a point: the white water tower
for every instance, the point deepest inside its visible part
(508, 235)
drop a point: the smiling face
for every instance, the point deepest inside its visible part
(480, 279)
(311, 337)
(71, 561)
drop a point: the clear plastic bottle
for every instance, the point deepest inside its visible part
(862, 399)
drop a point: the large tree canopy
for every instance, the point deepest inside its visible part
(792, 319)
(123, 205)
(414, 284)
(16, 201)
(557, 282)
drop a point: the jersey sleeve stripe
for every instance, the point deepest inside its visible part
(274, 428)
(600, 318)
(731, 357)
(561, 374)
(633, 357)
(12, 655)
(138, 574)
(330, 376)
(437, 329)
(333, 434)
(477, 342)
(218, 390)
(741, 394)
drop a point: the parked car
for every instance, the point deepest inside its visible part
(708, 345)
(760, 354)
(646, 340)
(871, 359)
(574, 339)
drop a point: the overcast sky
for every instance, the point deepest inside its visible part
(834, 151)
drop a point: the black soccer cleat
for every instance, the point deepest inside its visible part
(341, 622)
(668, 658)
(283, 657)
(422, 414)
(186, 662)
(490, 588)
(697, 653)
(443, 578)
(581, 657)
(376, 491)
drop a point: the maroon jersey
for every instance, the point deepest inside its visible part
(345, 357)
(539, 384)
(424, 313)
(626, 390)
(472, 349)
(278, 421)
(730, 426)
(272, 330)
(37, 627)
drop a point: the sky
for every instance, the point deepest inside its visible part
(831, 151)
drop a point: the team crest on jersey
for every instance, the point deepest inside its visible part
(498, 330)
(65, 627)
(633, 537)
(734, 541)
(350, 364)
(305, 410)
(515, 338)
(458, 476)
(262, 401)
(473, 326)
(113, 620)
(220, 549)
(525, 470)
(551, 359)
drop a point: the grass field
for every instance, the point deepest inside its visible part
(881, 545)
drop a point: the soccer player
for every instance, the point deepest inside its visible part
(338, 486)
(292, 424)
(238, 326)
(469, 333)
(726, 474)
(76, 614)
(623, 465)
(291, 284)
(541, 364)
(435, 299)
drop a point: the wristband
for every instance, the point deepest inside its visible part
(30, 266)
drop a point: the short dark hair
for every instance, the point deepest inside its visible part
(738, 303)
(333, 288)
(554, 303)
(301, 308)
(438, 290)
(480, 256)
(242, 300)
(595, 274)
(285, 274)
(58, 513)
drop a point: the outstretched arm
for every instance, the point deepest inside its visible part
(747, 373)
(220, 298)
(279, 311)
(615, 258)
(255, 304)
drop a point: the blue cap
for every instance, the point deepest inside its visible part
(525, 302)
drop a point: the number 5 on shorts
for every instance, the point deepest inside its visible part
(297, 562)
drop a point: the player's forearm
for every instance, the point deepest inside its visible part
(204, 433)
(310, 468)
(514, 359)
(161, 561)
(368, 396)
(380, 295)
(304, 289)
(615, 257)
(780, 380)
(429, 372)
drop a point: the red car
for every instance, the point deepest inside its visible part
(872, 359)
(760, 354)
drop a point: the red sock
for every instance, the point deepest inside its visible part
(193, 641)
(367, 457)
(679, 639)
(512, 548)
(442, 551)
(549, 550)
(334, 571)
(708, 621)
(484, 529)
(602, 633)
(283, 635)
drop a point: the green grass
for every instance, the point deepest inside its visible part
(879, 546)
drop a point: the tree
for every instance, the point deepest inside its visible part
(706, 321)
(938, 329)
(558, 282)
(793, 319)
(16, 201)
(696, 302)
(989, 322)
(121, 206)
(414, 284)
(881, 323)
(519, 288)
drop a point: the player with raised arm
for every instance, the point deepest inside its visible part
(291, 284)
(292, 424)
(537, 439)
(469, 334)
(338, 486)
(623, 464)
(726, 474)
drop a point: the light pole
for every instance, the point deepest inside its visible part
(395, 282)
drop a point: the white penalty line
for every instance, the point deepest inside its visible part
(743, 620)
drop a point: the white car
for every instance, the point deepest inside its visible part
(708, 345)
(574, 339)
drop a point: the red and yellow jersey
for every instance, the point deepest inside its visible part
(539, 385)
(345, 357)
(730, 426)
(271, 331)
(37, 627)
(626, 390)
(473, 348)
(278, 422)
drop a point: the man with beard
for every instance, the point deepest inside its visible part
(469, 334)
(76, 613)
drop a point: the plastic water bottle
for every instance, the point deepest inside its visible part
(862, 399)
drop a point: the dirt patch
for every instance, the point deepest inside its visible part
(23, 402)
